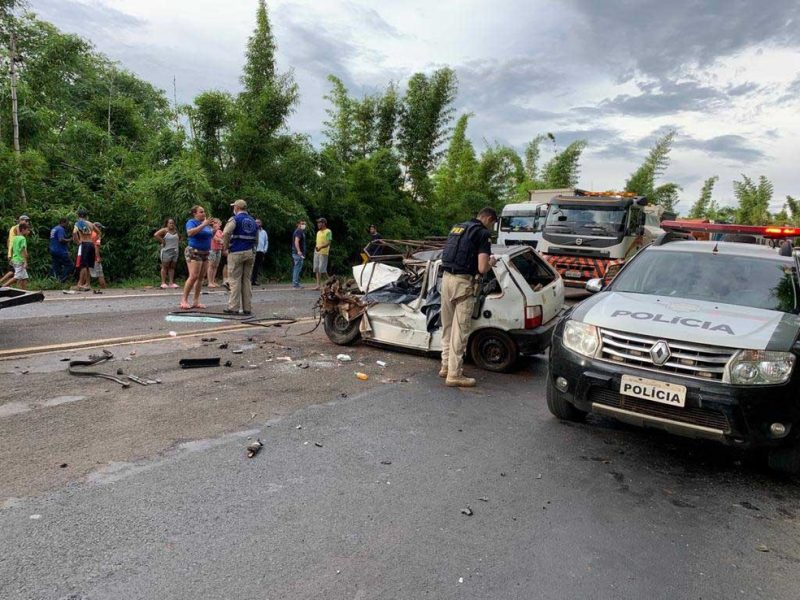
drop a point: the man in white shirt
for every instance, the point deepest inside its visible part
(261, 250)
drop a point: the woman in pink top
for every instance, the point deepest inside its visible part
(215, 256)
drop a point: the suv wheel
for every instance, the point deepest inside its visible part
(493, 350)
(559, 406)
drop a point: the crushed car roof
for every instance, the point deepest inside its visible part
(497, 250)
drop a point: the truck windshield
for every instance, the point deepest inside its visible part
(586, 220)
(519, 223)
(728, 279)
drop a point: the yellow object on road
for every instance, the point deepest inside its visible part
(362, 376)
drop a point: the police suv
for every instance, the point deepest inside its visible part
(698, 338)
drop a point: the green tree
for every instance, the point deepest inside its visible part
(532, 156)
(424, 126)
(643, 180)
(259, 69)
(754, 200)
(702, 208)
(563, 170)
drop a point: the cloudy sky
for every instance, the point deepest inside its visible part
(724, 73)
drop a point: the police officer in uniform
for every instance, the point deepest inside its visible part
(239, 239)
(467, 253)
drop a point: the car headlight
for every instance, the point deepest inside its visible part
(581, 338)
(759, 367)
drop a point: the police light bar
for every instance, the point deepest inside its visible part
(767, 231)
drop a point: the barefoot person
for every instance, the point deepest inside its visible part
(96, 272)
(170, 239)
(215, 256)
(199, 231)
(82, 235)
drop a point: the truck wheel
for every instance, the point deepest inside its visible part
(341, 331)
(493, 350)
(559, 406)
(785, 460)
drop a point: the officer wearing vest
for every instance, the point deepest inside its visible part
(467, 253)
(239, 238)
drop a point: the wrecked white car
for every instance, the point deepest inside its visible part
(515, 310)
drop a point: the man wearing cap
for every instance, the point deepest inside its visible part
(322, 250)
(239, 238)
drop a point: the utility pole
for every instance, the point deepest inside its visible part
(175, 100)
(14, 109)
(110, 95)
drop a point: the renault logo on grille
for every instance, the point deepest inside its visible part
(660, 353)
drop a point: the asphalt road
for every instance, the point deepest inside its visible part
(359, 489)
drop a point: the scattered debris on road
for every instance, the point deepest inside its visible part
(380, 363)
(253, 448)
(199, 363)
(483, 499)
(386, 462)
(223, 346)
(467, 511)
(95, 360)
(208, 339)
(361, 376)
(762, 548)
(318, 445)
(343, 357)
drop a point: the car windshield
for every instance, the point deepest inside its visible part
(599, 220)
(728, 279)
(518, 223)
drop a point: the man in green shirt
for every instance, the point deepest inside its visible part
(19, 258)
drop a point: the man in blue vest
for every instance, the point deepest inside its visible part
(239, 238)
(468, 251)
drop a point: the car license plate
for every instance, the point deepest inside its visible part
(573, 274)
(655, 391)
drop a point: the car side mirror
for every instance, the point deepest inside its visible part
(594, 285)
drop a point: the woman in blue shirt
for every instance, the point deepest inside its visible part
(198, 228)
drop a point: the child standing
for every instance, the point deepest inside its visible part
(19, 258)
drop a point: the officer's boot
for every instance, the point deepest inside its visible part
(459, 381)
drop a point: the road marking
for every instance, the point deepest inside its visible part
(16, 353)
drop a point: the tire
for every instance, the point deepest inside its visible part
(560, 407)
(785, 460)
(340, 331)
(493, 350)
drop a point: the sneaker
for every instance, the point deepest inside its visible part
(443, 372)
(228, 311)
(459, 381)
(247, 312)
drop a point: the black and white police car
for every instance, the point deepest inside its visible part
(698, 338)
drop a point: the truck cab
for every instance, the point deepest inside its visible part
(590, 235)
(521, 224)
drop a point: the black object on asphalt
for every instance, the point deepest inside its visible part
(95, 360)
(467, 511)
(253, 448)
(198, 363)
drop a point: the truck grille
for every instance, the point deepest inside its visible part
(686, 359)
(705, 417)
